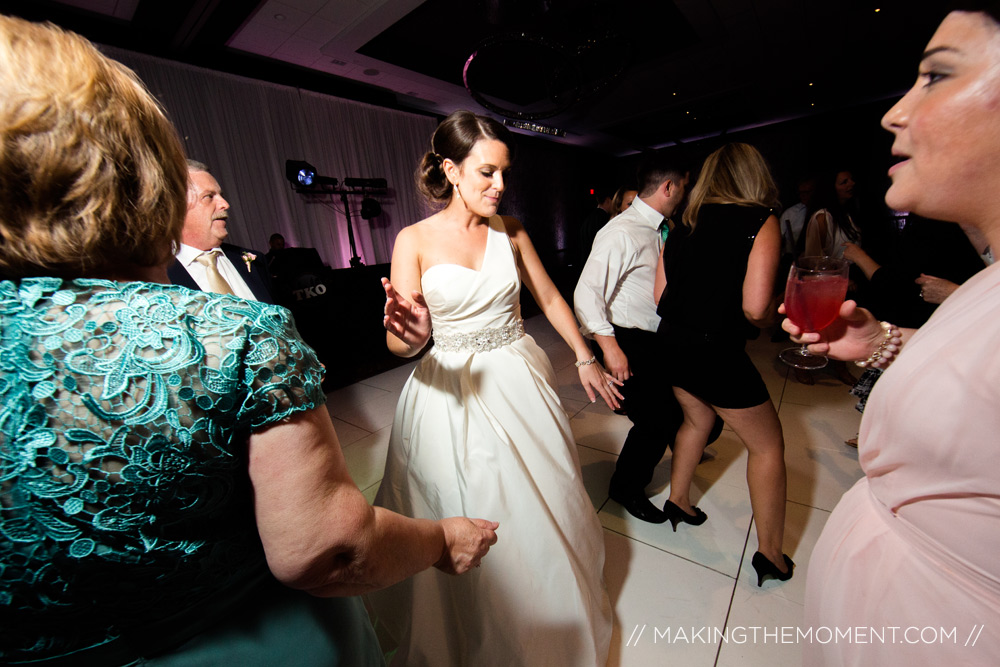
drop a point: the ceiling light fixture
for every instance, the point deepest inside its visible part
(535, 127)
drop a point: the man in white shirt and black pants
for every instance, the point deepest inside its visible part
(614, 304)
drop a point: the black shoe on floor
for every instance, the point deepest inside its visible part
(639, 506)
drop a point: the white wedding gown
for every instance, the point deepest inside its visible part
(479, 431)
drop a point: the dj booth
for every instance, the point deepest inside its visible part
(338, 312)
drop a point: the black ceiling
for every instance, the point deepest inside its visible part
(617, 75)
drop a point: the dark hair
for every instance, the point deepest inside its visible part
(656, 169)
(843, 215)
(453, 140)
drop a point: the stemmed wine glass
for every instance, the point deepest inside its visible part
(816, 289)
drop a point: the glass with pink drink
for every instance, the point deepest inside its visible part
(816, 289)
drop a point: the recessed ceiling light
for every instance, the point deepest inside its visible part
(810, 83)
(877, 10)
(279, 17)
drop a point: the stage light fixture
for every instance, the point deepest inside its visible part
(300, 173)
(305, 180)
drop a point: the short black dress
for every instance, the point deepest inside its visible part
(702, 322)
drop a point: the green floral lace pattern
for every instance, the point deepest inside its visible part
(124, 414)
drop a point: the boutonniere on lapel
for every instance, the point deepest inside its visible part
(247, 258)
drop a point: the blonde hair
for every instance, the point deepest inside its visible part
(734, 174)
(619, 199)
(92, 174)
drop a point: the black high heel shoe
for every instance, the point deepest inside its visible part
(676, 515)
(765, 568)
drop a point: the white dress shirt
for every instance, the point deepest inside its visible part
(188, 255)
(616, 284)
(793, 222)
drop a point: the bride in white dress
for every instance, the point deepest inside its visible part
(480, 431)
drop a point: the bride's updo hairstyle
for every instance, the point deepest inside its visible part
(453, 140)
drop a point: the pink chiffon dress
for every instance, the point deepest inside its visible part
(910, 554)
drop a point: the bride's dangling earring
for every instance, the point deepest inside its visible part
(458, 193)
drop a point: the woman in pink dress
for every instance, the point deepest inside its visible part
(906, 569)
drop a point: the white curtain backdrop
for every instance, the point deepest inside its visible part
(245, 130)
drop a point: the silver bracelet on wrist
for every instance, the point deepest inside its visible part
(592, 360)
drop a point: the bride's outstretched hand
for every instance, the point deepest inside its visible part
(853, 335)
(597, 382)
(409, 321)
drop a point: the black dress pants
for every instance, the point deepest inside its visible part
(654, 411)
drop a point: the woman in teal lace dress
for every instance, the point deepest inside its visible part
(166, 463)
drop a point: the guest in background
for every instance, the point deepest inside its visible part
(913, 544)
(928, 260)
(793, 223)
(898, 291)
(614, 302)
(277, 244)
(622, 200)
(833, 222)
(203, 261)
(719, 271)
(161, 449)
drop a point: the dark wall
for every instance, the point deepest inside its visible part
(851, 139)
(549, 186)
(549, 192)
(548, 189)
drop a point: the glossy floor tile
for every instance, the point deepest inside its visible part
(688, 597)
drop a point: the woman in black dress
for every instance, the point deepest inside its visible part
(719, 269)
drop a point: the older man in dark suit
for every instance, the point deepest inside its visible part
(203, 261)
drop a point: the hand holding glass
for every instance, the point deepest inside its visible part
(816, 289)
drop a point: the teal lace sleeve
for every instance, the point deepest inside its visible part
(125, 410)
